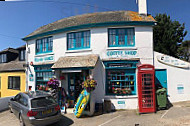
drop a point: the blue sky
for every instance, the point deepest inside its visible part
(18, 19)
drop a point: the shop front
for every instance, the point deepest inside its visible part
(73, 71)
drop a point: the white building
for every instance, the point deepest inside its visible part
(106, 45)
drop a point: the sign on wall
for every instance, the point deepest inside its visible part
(44, 59)
(180, 89)
(31, 77)
(122, 54)
(121, 104)
(168, 60)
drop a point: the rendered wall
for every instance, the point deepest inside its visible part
(175, 76)
(5, 92)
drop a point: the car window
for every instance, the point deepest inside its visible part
(17, 97)
(23, 101)
(42, 101)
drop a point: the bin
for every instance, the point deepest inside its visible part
(107, 106)
(161, 95)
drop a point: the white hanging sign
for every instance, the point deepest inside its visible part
(168, 60)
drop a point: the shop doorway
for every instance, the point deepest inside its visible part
(161, 78)
(75, 80)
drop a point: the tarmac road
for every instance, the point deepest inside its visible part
(178, 115)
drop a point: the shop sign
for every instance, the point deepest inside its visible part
(122, 53)
(121, 105)
(44, 59)
(180, 89)
(168, 60)
(120, 65)
(31, 77)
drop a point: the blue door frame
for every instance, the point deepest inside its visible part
(161, 78)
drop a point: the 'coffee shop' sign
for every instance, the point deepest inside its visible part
(122, 54)
(44, 59)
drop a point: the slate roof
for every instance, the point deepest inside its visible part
(76, 61)
(9, 50)
(92, 18)
(12, 66)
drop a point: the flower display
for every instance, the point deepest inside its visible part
(89, 84)
(121, 91)
(53, 83)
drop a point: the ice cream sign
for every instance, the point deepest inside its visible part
(168, 60)
(122, 54)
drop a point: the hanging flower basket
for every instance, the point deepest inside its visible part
(53, 83)
(89, 84)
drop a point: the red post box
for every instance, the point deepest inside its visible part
(146, 88)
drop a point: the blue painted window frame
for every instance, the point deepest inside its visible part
(121, 37)
(43, 74)
(78, 40)
(128, 71)
(44, 45)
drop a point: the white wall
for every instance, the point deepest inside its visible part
(175, 76)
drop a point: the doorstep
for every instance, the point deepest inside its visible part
(69, 110)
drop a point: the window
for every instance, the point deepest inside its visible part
(3, 58)
(23, 101)
(121, 37)
(14, 82)
(44, 45)
(78, 40)
(22, 55)
(43, 74)
(121, 82)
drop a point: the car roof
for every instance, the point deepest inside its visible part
(35, 94)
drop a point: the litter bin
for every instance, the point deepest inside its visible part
(161, 95)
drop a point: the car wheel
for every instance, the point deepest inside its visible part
(10, 109)
(21, 121)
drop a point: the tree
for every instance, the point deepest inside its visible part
(168, 35)
(184, 50)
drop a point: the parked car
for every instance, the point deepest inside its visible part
(35, 108)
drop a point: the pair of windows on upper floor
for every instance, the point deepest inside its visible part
(117, 37)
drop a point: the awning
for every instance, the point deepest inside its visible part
(76, 62)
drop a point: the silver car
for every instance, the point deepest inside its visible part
(35, 108)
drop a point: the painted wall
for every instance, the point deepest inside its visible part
(175, 78)
(99, 45)
(5, 92)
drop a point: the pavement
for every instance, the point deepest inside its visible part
(178, 115)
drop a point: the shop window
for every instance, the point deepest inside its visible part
(121, 82)
(43, 75)
(121, 37)
(78, 40)
(44, 45)
(22, 55)
(14, 82)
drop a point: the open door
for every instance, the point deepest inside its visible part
(146, 88)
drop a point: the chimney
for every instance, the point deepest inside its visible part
(142, 7)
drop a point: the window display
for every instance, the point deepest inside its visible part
(121, 82)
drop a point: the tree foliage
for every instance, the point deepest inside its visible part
(168, 35)
(184, 50)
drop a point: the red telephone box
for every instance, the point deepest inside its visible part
(146, 88)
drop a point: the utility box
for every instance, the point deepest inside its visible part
(161, 95)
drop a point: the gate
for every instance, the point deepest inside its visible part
(146, 88)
